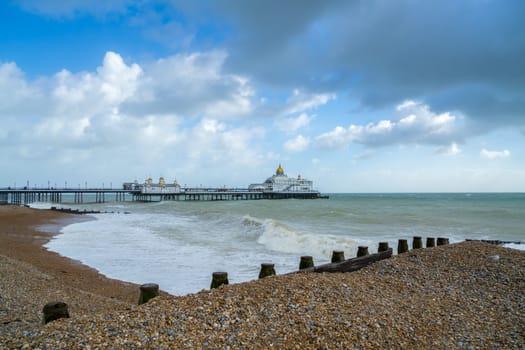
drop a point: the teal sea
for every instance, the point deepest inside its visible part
(180, 244)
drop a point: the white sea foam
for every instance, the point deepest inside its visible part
(143, 248)
(279, 237)
(520, 246)
(40, 205)
(180, 244)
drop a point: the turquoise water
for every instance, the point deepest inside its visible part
(179, 244)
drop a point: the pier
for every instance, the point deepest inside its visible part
(278, 186)
(21, 196)
(78, 196)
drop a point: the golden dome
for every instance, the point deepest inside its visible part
(279, 171)
(161, 181)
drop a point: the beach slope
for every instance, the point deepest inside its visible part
(461, 296)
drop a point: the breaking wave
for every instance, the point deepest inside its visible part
(280, 237)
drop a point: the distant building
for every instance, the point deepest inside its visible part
(149, 187)
(280, 182)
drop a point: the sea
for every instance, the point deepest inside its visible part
(179, 244)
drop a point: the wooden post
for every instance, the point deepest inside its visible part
(148, 291)
(417, 243)
(55, 310)
(219, 278)
(402, 246)
(306, 262)
(431, 242)
(362, 251)
(267, 270)
(338, 256)
(383, 246)
(442, 241)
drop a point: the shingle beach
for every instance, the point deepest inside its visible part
(460, 296)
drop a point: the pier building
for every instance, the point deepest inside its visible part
(280, 182)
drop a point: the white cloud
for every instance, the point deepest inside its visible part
(297, 144)
(300, 101)
(193, 85)
(484, 153)
(416, 124)
(19, 97)
(118, 81)
(291, 125)
(170, 113)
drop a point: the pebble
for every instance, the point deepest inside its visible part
(447, 297)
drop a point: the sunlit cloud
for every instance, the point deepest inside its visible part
(484, 153)
(416, 124)
(297, 144)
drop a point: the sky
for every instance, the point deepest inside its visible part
(355, 95)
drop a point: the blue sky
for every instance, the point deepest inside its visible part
(358, 96)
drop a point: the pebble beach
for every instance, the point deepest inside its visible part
(468, 295)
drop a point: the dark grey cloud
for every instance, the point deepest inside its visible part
(465, 56)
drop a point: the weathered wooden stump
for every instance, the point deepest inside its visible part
(383, 247)
(306, 262)
(55, 310)
(148, 291)
(218, 279)
(417, 243)
(338, 256)
(442, 241)
(431, 242)
(402, 246)
(362, 251)
(266, 270)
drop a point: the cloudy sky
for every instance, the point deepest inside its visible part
(358, 96)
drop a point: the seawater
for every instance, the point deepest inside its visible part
(180, 244)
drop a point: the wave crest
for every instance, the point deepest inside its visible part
(278, 236)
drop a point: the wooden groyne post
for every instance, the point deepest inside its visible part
(362, 251)
(148, 291)
(55, 310)
(306, 262)
(402, 246)
(417, 242)
(267, 269)
(383, 246)
(442, 241)
(218, 279)
(338, 256)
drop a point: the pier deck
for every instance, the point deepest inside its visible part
(98, 195)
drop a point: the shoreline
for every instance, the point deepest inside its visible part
(31, 275)
(459, 296)
(23, 234)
